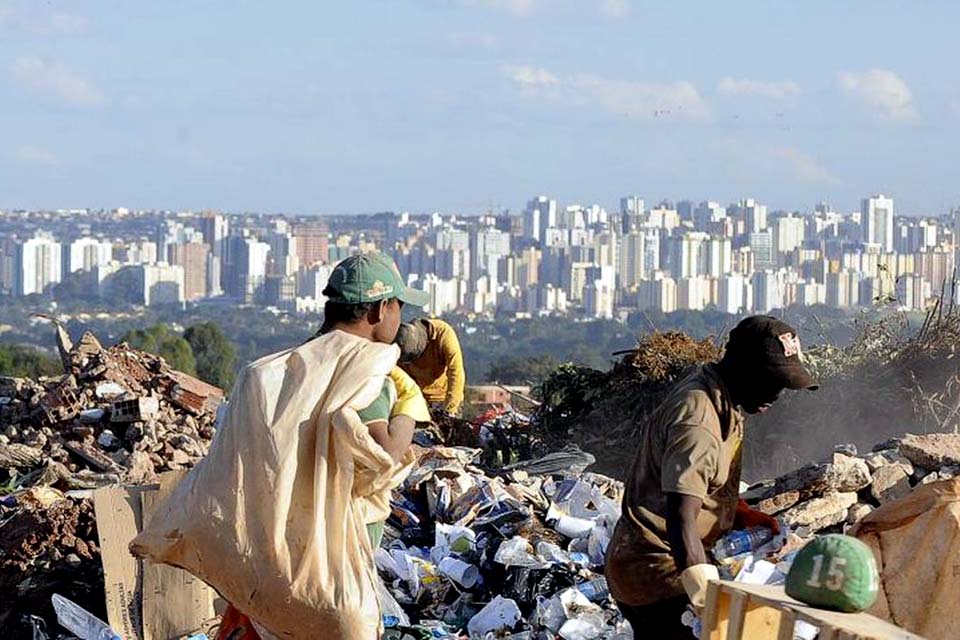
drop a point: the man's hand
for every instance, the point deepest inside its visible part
(695, 580)
(746, 517)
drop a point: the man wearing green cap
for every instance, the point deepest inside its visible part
(682, 491)
(365, 295)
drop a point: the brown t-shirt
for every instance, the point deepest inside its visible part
(689, 445)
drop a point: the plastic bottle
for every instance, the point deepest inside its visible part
(594, 590)
(690, 619)
(743, 541)
(81, 622)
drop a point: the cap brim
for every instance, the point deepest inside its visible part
(414, 297)
(796, 377)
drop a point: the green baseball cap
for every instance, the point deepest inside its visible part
(370, 277)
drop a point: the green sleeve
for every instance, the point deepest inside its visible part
(379, 409)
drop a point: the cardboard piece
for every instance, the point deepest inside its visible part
(118, 514)
(145, 601)
(175, 603)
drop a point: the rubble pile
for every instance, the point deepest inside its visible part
(48, 544)
(464, 552)
(115, 415)
(834, 495)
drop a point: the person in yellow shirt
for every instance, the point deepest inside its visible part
(430, 353)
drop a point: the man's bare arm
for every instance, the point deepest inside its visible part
(685, 544)
(395, 437)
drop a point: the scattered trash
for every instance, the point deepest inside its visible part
(81, 622)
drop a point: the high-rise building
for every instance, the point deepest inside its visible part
(194, 258)
(718, 259)
(632, 253)
(735, 294)
(540, 214)
(761, 246)
(843, 289)
(659, 292)
(36, 264)
(876, 220)
(83, 254)
(752, 213)
(631, 212)
(161, 284)
(767, 290)
(787, 234)
(688, 254)
(693, 293)
(706, 214)
(312, 240)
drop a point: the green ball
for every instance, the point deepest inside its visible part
(836, 572)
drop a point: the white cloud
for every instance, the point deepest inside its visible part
(804, 167)
(615, 8)
(883, 90)
(45, 76)
(623, 97)
(528, 76)
(743, 87)
(35, 155)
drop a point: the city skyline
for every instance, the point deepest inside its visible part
(465, 105)
(552, 259)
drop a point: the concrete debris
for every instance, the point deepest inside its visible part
(890, 483)
(932, 450)
(820, 513)
(857, 512)
(116, 415)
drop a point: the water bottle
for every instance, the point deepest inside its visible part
(594, 590)
(690, 619)
(743, 541)
(81, 622)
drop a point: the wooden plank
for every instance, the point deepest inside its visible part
(175, 603)
(721, 620)
(788, 622)
(118, 520)
(710, 608)
(738, 609)
(761, 620)
(861, 624)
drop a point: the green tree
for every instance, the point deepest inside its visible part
(18, 361)
(530, 371)
(159, 340)
(215, 354)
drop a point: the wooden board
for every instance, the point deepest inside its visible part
(738, 611)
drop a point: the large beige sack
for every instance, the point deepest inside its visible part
(917, 544)
(274, 517)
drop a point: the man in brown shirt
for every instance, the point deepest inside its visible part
(682, 491)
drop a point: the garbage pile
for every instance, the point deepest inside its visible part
(116, 415)
(513, 555)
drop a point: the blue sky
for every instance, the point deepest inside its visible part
(455, 105)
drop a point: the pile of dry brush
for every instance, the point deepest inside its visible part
(889, 381)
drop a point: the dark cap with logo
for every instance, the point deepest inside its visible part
(370, 277)
(771, 345)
